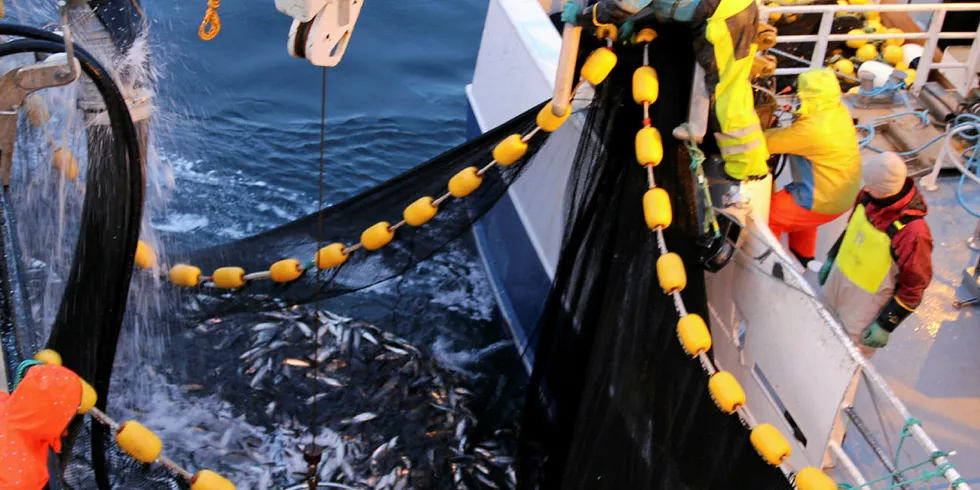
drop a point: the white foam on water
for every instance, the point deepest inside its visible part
(182, 223)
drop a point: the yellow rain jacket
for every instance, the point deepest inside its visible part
(823, 144)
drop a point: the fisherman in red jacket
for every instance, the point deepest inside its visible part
(878, 270)
(32, 420)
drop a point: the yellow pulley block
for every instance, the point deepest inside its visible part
(670, 271)
(548, 121)
(89, 397)
(48, 356)
(856, 43)
(770, 444)
(185, 275)
(64, 160)
(37, 110)
(810, 478)
(139, 442)
(726, 392)
(649, 147)
(656, 208)
(420, 212)
(646, 85)
(331, 256)
(285, 270)
(693, 334)
(598, 66)
(209, 480)
(510, 150)
(145, 258)
(892, 54)
(377, 236)
(228, 277)
(646, 35)
(465, 182)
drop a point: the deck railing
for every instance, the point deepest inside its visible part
(932, 35)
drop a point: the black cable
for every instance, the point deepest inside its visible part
(92, 308)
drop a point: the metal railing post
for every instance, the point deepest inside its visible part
(820, 50)
(970, 80)
(929, 51)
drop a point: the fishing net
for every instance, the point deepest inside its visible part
(414, 384)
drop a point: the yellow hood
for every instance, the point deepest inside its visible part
(818, 90)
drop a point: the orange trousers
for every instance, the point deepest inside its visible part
(785, 216)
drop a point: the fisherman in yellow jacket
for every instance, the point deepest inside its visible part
(724, 44)
(825, 159)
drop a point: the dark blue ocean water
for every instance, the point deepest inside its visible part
(239, 118)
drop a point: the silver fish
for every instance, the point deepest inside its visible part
(486, 481)
(282, 315)
(382, 449)
(360, 418)
(396, 350)
(296, 362)
(264, 326)
(305, 329)
(318, 397)
(271, 407)
(483, 469)
(261, 374)
(370, 338)
(249, 353)
(331, 381)
(277, 344)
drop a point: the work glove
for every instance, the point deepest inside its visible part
(570, 13)
(626, 30)
(825, 271)
(875, 336)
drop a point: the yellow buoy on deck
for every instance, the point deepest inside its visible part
(656, 208)
(810, 478)
(726, 391)
(646, 85)
(649, 147)
(548, 121)
(510, 150)
(693, 334)
(670, 271)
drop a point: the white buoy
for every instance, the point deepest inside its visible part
(881, 71)
(911, 52)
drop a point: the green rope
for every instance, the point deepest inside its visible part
(697, 159)
(21, 370)
(905, 435)
(939, 472)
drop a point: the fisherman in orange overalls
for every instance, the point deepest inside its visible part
(32, 420)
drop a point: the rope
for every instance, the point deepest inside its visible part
(21, 371)
(314, 455)
(697, 159)
(211, 25)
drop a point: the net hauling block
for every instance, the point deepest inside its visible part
(598, 66)
(649, 147)
(656, 208)
(139, 442)
(510, 150)
(670, 271)
(209, 480)
(693, 334)
(770, 444)
(726, 391)
(646, 85)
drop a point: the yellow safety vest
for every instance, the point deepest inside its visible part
(865, 254)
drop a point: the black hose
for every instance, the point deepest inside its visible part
(91, 313)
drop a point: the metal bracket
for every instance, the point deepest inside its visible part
(16, 85)
(322, 39)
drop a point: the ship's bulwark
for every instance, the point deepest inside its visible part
(614, 401)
